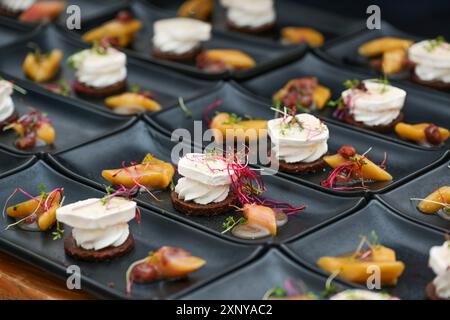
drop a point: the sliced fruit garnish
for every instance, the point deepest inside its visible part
(436, 201)
(393, 61)
(42, 67)
(422, 132)
(197, 9)
(225, 125)
(262, 216)
(232, 59)
(131, 102)
(43, 11)
(379, 46)
(301, 34)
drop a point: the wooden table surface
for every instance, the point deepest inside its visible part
(19, 280)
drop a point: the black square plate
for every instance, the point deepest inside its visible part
(410, 241)
(74, 123)
(10, 162)
(404, 161)
(399, 199)
(153, 232)
(267, 55)
(12, 32)
(165, 84)
(274, 267)
(86, 164)
(420, 106)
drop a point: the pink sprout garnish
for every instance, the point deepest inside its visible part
(209, 108)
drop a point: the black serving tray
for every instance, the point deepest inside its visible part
(74, 123)
(267, 55)
(86, 163)
(420, 106)
(404, 161)
(165, 84)
(411, 242)
(107, 279)
(12, 32)
(399, 199)
(10, 162)
(274, 267)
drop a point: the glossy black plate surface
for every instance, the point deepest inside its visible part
(74, 124)
(420, 106)
(267, 55)
(107, 279)
(88, 162)
(399, 199)
(10, 32)
(10, 162)
(410, 241)
(274, 267)
(165, 84)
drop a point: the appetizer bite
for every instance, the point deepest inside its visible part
(34, 130)
(32, 10)
(39, 212)
(297, 35)
(100, 227)
(133, 101)
(255, 17)
(42, 67)
(220, 60)
(120, 31)
(355, 266)
(352, 170)
(360, 294)
(179, 39)
(302, 93)
(437, 202)
(291, 290)
(8, 113)
(426, 134)
(229, 126)
(370, 104)
(196, 9)
(439, 262)
(387, 54)
(167, 263)
(432, 63)
(100, 71)
(299, 142)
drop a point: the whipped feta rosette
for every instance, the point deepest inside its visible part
(253, 14)
(432, 60)
(439, 262)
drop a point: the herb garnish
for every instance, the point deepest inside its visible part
(233, 119)
(183, 107)
(59, 231)
(230, 223)
(433, 44)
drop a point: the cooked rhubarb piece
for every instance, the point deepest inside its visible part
(422, 132)
(436, 201)
(43, 11)
(122, 29)
(166, 263)
(222, 59)
(151, 172)
(305, 92)
(42, 67)
(197, 9)
(262, 216)
(130, 102)
(296, 35)
(230, 125)
(393, 61)
(40, 209)
(379, 46)
(356, 267)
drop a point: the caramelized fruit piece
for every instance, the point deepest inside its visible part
(299, 35)
(233, 59)
(356, 270)
(416, 132)
(45, 132)
(321, 95)
(435, 201)
(152, 173)
(242, 130)
(262, 216)
(41, 68)
(197, 9)
(379, 46)
(43, 11)
(393, 61)
(370, 170)
(133, 102)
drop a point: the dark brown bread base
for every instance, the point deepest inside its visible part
(258, 30)
(193, 209)
(9, 120)
(301, 167)
(109, 253)
(184, 57)
(381, 128)
(440, 85)
(431, 292)
(91, 92)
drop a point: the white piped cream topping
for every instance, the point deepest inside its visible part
(306, 142)
(98, 224)
(442, 285)
(100, 69)
(205, 178)
(439, 259)
(17, 5)
(252, 14)
(6, 102)
(432, 60)
(359, 294)
(379, 105)
(180, 35)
